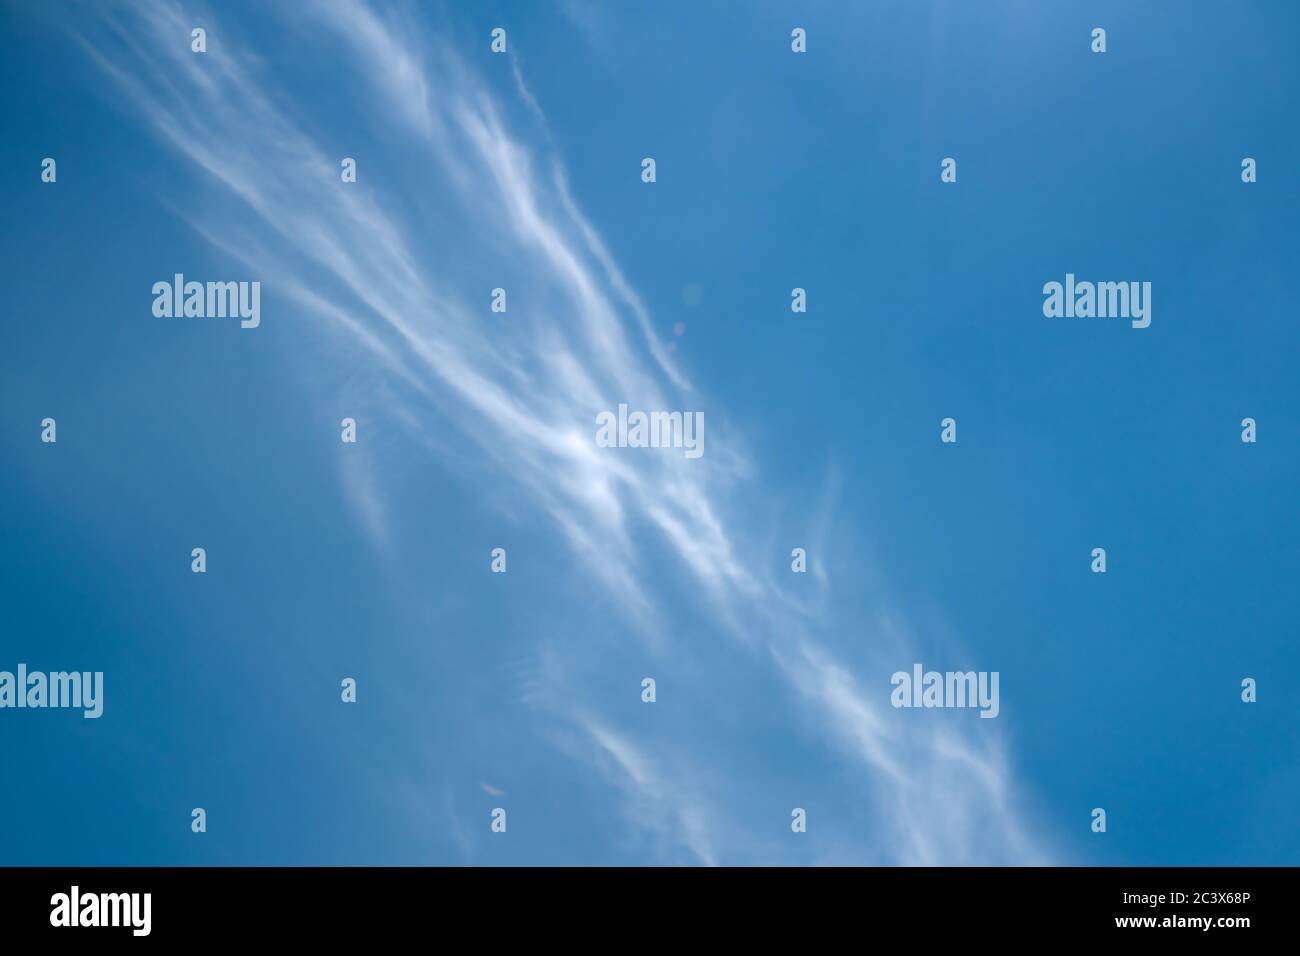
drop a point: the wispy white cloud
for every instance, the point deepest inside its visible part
(657, 801)
(579, 341)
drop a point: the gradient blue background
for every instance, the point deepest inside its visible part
(775, 171)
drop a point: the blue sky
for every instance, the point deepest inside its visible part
(476, 431)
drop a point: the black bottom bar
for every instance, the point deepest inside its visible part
(335, 905)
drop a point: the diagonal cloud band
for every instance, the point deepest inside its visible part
(354, 259)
